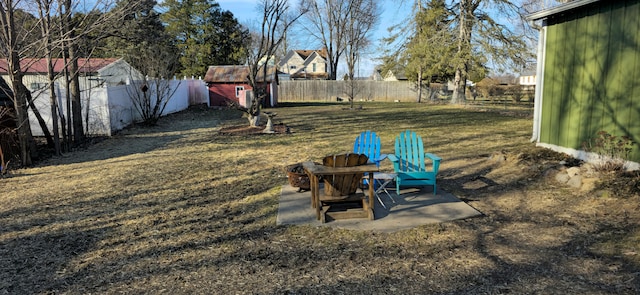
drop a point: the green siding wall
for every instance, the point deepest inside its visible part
(592, 75)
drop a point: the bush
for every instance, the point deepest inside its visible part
(612, 150)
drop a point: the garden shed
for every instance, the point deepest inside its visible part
(228, 85)
(589, 76)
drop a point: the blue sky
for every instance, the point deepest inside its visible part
(392, 13)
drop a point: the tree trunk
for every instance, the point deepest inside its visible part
(54, 113)
(72, 69)
(419, 85)
(458, 90)
(2, 163)
(76, 105)
(41, 121)
(464, 48)
(254, 121)
(66, 130)
(25, 139)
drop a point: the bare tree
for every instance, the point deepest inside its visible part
(326, 23)
(478, 31)
(11, 41)
(29, 44)
(45, 11)
(341, 27)
(362, 18)
(75, 20)
(69, 30)
(277, 18)
(152, 88)
(59, 31)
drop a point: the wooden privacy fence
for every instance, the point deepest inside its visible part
(330, 90)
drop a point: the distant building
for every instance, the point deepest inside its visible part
(528, 78)
(395, 75)
(304, 65)
(229, 85)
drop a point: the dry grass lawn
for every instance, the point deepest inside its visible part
(181, 209)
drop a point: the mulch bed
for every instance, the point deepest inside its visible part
(248, 130)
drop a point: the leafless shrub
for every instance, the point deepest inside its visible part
(612, 150)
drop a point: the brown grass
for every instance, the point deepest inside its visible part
(181, 209)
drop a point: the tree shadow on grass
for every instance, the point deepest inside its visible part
(105, 243)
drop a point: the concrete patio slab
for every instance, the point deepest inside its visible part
(412, 208)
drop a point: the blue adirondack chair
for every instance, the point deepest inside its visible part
(368, 143)
(409, 162)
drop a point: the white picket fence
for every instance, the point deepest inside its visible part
(110, 108)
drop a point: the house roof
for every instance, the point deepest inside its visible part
(39, 65)
(398, 74)
(304, 54)
(559, 9)
(230, 74)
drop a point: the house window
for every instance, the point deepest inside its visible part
(238, 89)
(36, 86)
(314, 67)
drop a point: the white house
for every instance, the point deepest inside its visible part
(305, 65)
(397, 75)
(528, 78)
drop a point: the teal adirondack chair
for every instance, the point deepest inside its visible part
(409, 162)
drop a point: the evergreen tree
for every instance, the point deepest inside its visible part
(476, 35)
(139, 36)
(204, 34)
(429, 51)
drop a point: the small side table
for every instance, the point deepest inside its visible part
(382, 180)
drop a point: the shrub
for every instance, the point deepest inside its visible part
(612, 150)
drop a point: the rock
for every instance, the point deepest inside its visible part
(550, 173)
(575, 181)
(562, 177)
(573, 171)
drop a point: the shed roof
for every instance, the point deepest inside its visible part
(559, 9)
(39, 65)
(231, 73)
